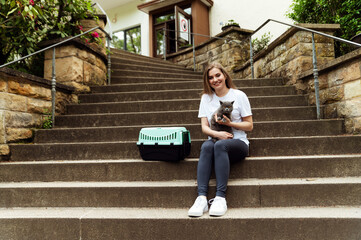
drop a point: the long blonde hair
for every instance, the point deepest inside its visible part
(207, 89)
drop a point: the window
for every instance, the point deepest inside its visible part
(129, 40)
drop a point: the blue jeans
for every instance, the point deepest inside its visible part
(221, 153)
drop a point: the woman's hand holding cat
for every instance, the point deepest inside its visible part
(222, 122)
(221, 135)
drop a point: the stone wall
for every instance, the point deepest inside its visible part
(340, 89)
(291, 54)
(229, 53)
(78, 65)
(23, 101)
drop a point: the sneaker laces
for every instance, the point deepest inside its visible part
(214, 200)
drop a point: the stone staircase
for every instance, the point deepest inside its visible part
(84, 179)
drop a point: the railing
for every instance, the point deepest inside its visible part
(314, 60)
(53, 79)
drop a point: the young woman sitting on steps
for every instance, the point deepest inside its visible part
(229, 148)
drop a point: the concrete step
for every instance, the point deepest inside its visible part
(286, 146)
(307, 167)
(119, 60)
(124, 73)
(146, 79)
(178, 104)
(177, 85)
(131, 133)
(287, 223)
(176, 117)
(119, 68)
(181, 193)
(176, 94)
(118, 53)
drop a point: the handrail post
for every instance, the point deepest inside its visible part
(53, 90)
(194, 53)
(109, 61)
(315, 75)
(251, 56)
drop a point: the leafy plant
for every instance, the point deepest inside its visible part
(231, 22)
(47, 120)
(25, 23)
(347, 13)
(260, 44)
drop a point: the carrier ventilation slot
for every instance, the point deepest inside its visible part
(168, 137)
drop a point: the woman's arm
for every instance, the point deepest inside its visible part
(212, 133)
(245, 125)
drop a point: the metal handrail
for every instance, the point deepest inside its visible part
(53, 80)
(314, 60)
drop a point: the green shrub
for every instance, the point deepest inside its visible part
(25, 23)
(347, 13)
(260, 44)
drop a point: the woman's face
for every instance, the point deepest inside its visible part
(216, 79)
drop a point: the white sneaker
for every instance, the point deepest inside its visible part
(199, 207)
(218, 207)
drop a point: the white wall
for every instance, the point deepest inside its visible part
(250, 14)
(128, 16)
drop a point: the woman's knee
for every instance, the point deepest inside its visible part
(207, 146)
(221, 145)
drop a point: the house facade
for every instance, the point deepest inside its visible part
(156, 26)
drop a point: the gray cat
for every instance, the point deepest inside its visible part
(225, 109)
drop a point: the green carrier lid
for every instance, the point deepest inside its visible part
(163, 136)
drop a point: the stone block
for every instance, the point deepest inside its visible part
(279, 50)
(350, 108)
(22, 120)
(353, 89)
(4, 150)
(24, 89)
(100, 64)
(16, 134)
(330, 110)
(13, 102)
(38, 106)
(3, 86)
(62, 52)
(79, 87)
(29, 90)
(94, 76)
(87, 56)
(90, 23)
(331, 95)
(345, 74)
(2, 127)
(69, 69)
(353, 125)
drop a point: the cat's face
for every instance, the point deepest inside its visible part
(227, 107)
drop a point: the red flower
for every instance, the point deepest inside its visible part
(95, 34)
(80, 27)
(31, 2)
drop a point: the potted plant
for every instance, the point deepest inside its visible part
(230, 23)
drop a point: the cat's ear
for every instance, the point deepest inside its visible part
(232, 102)
(220, 102)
